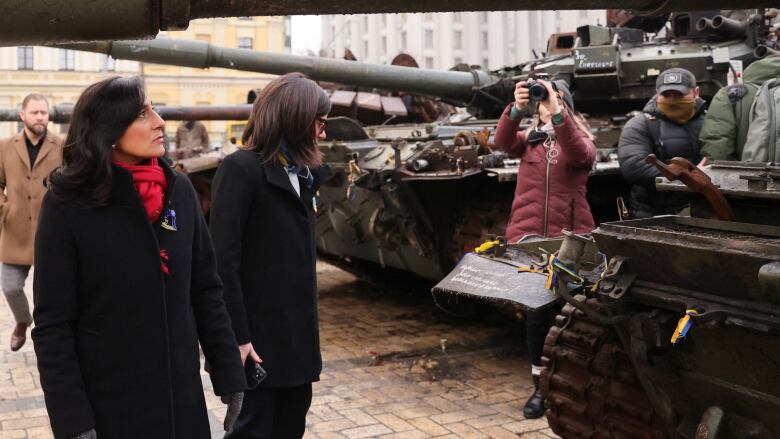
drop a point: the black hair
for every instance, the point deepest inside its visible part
(101, 115)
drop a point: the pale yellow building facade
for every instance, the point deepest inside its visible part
(61, 75)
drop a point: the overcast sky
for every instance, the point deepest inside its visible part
(305, 34)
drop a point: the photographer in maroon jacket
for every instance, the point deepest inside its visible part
(557, 153)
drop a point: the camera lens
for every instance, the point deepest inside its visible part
(537, 92)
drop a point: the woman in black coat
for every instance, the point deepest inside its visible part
(262, 222)
(126, 282)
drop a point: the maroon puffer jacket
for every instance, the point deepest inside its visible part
(548, 199)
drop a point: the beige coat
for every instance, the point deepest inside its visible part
(24, 190)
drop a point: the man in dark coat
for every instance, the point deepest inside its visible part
(113, 331)
(669, 127)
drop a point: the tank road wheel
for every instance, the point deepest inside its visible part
(589, 385)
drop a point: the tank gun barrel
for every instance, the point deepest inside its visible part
(458, 87)
(62, 113)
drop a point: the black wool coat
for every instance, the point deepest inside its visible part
(116, 339)
(263, 234)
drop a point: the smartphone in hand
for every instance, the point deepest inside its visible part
(254, 373)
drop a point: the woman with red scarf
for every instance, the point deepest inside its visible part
(126, 285)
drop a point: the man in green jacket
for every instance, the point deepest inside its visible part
(726, 124)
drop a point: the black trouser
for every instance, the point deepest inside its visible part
(273, 413)
(537, 324)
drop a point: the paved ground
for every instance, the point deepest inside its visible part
(394, 367)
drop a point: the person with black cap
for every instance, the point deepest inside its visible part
(668, 127)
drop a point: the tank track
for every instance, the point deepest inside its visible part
(589, 384)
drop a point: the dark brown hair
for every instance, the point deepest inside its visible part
(287, 109)
(102, 114)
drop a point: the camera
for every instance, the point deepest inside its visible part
(537, 92)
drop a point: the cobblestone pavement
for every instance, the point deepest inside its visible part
(394, 367)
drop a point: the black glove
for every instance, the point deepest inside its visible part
(91, 434)
(234, 402)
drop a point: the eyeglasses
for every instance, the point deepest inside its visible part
(321, 124)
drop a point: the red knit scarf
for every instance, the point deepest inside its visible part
(150, 183)
(149, 180)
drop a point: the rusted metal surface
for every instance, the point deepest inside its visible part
(696, 180)
(589, 384)
(62, 113)
(737, 180)
(721, 258)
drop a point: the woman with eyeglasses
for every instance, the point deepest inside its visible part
(262, 222)
(126, 285)
(556, 155)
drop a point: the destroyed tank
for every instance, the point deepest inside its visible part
(415, 197)
(670, 324)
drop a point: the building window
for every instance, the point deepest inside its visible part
(384, 20)
(484, 40)
(365, 49)
(458, 37)
(384, 45)
(428, 16)
(429, 38)
(483, 17)
(66, 59)
(402, 17)
(557, 15)
(428, 62)
(245, 43)
(24, 58)
(403, 40)
(365, 22)
(485, 63)
(458, 60)
(457, 17)
(583, 13)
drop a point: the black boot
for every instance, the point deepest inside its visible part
(534, 407)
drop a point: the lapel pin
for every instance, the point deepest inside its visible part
(169, 222)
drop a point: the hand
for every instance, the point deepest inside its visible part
(521, 96)
(234, 402)
(248, 351)
(702, 163)
(551, 103)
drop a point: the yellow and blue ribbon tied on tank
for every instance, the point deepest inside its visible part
(683, 326)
